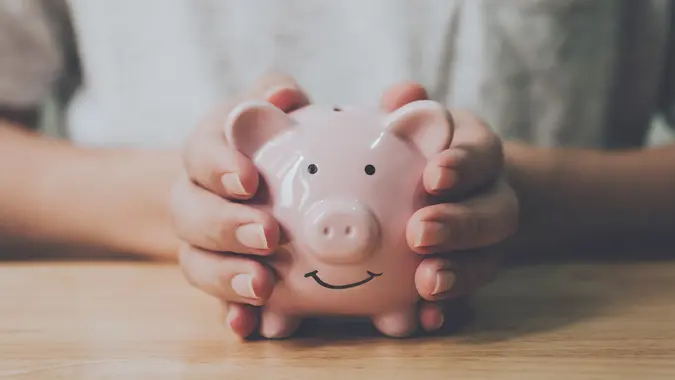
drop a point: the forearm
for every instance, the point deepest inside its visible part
(111, 199)
(569, 194)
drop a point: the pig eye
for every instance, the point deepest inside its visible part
(312, 169)
(369, 169)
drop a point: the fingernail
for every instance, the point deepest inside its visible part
(445, 279)
(431, 233)
(252, 235)
(242, 284)
(275, 90)
(233, 184)
(444, 179)
(439, 322)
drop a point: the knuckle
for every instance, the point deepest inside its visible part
(470, 230)
(221, 235)
(213, 239)
(176, 207)
(209, 167)
(205, 159)
(190, 151)
(186, 261)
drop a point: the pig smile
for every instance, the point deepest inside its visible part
(315, 276)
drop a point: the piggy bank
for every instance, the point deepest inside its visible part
(342, 183)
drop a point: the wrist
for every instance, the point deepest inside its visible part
(541, 179)
(66, 198)
(129, 199)
(107, 199)
(570, 195)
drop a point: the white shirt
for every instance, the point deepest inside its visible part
(588, 73)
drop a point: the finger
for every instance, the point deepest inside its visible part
(207, 221)
(431, 316)
(222, 170)
(401, 94)
(213, 165)
(226, 277)
(279, 89)
(479, 221)
(452, 313)
(241, 319)
(475, 158)
(439, 279)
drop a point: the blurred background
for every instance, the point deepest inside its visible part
(660, 134)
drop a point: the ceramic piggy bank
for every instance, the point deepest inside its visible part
(342, 184)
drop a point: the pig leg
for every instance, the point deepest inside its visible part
(399, 323)
(275, 325)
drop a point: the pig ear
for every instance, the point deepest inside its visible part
(425, 124)
(252, 124)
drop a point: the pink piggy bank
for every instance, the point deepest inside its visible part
(342, 184)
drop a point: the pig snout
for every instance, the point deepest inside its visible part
(341, 232)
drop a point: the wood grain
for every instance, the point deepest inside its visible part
(141, 321)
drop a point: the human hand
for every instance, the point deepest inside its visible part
(210, 231)
(221, 238)
(480, 210)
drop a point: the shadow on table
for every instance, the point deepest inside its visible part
(545, 292)
(533, 299)
(348, 330)
(524, 300)
(512, 306)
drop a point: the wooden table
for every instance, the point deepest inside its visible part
(141, 321)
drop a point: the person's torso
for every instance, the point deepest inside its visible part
(551, 72)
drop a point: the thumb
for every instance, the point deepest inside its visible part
(280, 89)
(401, 94)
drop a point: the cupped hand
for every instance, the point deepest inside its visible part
(221, 237)
(478, 211)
